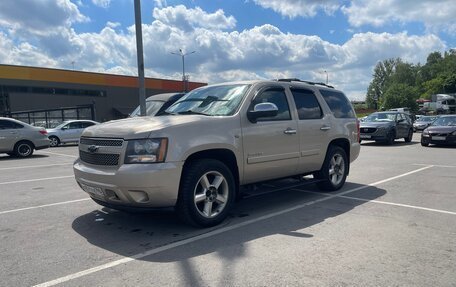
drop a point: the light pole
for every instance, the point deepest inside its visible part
(140, 58)
(184, 79)
(326, 76)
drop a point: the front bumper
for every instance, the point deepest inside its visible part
(443, 140)
(131, 185)
(379, 135)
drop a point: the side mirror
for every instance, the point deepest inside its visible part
(262, 110)
(400, 120)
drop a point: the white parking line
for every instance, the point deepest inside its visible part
(381, 202)
(209, 234)
(44, 205)
(33, 166)
(436, 165)
(61, 154)
(38, 179)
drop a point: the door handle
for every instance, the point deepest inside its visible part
(325, 128)
(289, 131)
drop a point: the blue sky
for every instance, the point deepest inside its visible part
(233, 40)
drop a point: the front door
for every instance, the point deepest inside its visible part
(271, 145)
(9, 134)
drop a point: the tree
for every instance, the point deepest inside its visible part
(381, 78)
(400, 95)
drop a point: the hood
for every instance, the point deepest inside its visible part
(376, 124)
(138, 127)
(441, 129)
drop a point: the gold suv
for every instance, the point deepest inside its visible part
(214, 140)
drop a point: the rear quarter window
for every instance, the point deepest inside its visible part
(338, 103)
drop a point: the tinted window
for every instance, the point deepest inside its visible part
(6, 125)
(75, 125)
(338, 103)
(86, 124)
(277, 97)
(306, 104)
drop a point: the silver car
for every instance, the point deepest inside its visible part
(68, 131)
(20, 139)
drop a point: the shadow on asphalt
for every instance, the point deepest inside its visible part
(397, 143)
(127, 234)
(5, 158)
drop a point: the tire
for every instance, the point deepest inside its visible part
(54, 141)
(424, 143)
(206, 194)
(409, 136)
(391, 138)
(334, 170)
(23, 149)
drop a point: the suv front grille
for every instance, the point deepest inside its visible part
(99, 158)
(101, 142)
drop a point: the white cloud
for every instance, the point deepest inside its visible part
(102, 3)
(160, 3)
(113, 24)
(259, 52)
(302, 8)
(188, 19)
(436, 15)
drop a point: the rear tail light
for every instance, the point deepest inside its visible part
(43, 132)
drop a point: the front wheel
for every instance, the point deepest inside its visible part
(424, 143)
(390, 138)
(206, 193)
(54, 141)
(334, 170)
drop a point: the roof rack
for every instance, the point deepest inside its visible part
(307, 82)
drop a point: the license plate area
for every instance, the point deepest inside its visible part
(365, 136)
(92, 189)
(438, 138)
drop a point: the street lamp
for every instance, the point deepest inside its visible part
(326, 76)
(184, 78)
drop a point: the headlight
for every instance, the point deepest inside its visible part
(425, 132)
(146, 151)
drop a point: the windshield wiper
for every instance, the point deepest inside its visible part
(190, 112)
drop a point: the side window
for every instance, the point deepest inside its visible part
(86, 124)
(8, 125)
(338, 103)
(278, 97)
(399, 117)
(74, 125)
(306, 104)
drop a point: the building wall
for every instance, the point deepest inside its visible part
(51, 88)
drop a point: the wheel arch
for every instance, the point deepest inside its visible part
(345, 145)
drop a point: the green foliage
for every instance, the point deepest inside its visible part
(399, 84)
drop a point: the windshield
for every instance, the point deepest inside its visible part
(445, 121)
(152, 107)
(381, 117)
(220, 100)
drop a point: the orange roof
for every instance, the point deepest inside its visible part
(88, 78)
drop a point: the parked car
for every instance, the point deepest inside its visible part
(21, 139)
(442, 131)
(423, 122)
(214, 140)
(157, 104)
(68, 131)
(386, 127)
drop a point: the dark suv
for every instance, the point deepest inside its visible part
(386, 127)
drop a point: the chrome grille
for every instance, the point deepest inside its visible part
(99, 158)
(101, 142)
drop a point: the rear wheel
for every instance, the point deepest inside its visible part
(54, 141)
(206, 193)
(334, 171)
(409, 136)
(23, 149)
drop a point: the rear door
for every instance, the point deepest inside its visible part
(313, 130)
(271, 145)
(9, 135)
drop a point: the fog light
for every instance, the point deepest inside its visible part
(139, 196)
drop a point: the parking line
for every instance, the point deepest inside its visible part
(61, 154)
(437, 165)
(209, 234)
(44, 205)
(38, 179)
(381, 202)
(33, 166)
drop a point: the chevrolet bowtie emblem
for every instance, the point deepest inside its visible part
(92, 148)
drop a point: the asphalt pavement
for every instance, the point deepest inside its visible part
(393, 224)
